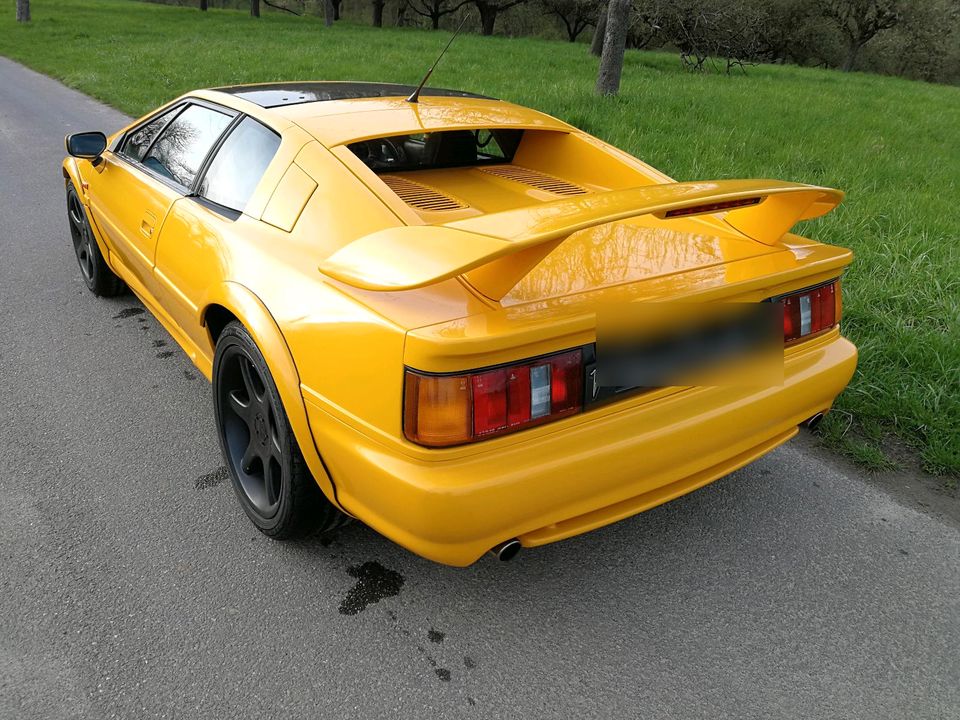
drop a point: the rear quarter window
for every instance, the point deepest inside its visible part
(239, 164)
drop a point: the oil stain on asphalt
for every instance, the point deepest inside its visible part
(211, 478)
(374, 583)
(128, 312)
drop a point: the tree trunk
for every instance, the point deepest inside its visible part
(203, 5)
(336, 9)
(402, 13)
(614, 43)
(435, 20)
(596, 46)
(328, 13)
(23, 10)
(378, 12)
(255, 8)
(853, 50)
(488, 16)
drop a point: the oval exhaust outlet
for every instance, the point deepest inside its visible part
(506, 550)
(813, 421)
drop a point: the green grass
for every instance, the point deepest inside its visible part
(893, 145)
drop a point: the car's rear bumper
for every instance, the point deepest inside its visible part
(573, 476)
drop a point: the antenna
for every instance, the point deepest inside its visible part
(415, 95)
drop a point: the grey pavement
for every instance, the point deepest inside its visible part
(132, 585)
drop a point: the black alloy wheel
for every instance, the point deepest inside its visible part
(97, 275)
(269, 475)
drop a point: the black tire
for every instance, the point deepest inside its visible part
(96, 274)
(270, 477)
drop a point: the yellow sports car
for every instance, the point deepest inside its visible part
(466, 323)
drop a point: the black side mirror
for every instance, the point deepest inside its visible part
(87, 145)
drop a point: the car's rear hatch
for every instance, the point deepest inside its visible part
(536, 274)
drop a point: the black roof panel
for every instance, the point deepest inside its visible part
(271, 95)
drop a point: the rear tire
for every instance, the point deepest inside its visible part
(269, 475)
(96, 274)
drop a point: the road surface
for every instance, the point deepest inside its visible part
(132, 585)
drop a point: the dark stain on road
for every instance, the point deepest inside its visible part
(374, 583)
(128, 312)
(435, 636)
(469, 662)
(443, 674)
(159, 343)
(212, 478)
(165, 354)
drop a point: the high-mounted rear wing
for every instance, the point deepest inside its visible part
(496, 250)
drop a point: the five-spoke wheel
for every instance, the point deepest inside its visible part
(268, 471)
(97, 275)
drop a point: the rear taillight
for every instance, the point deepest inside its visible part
(810, 311)
(442, 410)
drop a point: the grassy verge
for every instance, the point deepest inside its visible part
(893, 145)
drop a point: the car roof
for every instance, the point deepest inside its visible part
(337, 113)
(273, 95)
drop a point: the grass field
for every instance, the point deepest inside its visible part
(893, 145)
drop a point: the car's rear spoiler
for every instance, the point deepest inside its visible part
(495, 251)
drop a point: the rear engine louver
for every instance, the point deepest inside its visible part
(539, 180)
(420, 196)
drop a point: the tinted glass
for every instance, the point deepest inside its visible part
(182, 146)
(239, 164)
(139, 140)
(447, 148)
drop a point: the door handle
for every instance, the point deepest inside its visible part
(146, 225)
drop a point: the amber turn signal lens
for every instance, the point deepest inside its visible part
(437, 409)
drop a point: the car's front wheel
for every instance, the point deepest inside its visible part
(97, 275)
(270, 476)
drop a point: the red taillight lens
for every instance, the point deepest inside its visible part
(489, 402)
(443, 410)
(811, 311)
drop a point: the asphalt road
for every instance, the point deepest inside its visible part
(132, 586)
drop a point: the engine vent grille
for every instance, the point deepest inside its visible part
(420, 196)
(536, 179)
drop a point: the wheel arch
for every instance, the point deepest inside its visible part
(232, 301)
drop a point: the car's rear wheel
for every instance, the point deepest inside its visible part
(270, 476)
(96, 274)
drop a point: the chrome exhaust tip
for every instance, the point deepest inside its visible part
(506, 550)
(813, 421)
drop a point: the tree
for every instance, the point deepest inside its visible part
(23, 10)
(203, 5)
(402, 8)
(489, 10)
(576, 15)
(614, 44)
(377, 19)
(336, 9)
(329, 13)
(255, 8)
(435, 9)
(596, 45)
(860, 20)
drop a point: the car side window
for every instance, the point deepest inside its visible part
(139, 140)
(239, 164)
(182, 146)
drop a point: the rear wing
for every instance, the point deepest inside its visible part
(495, 251)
